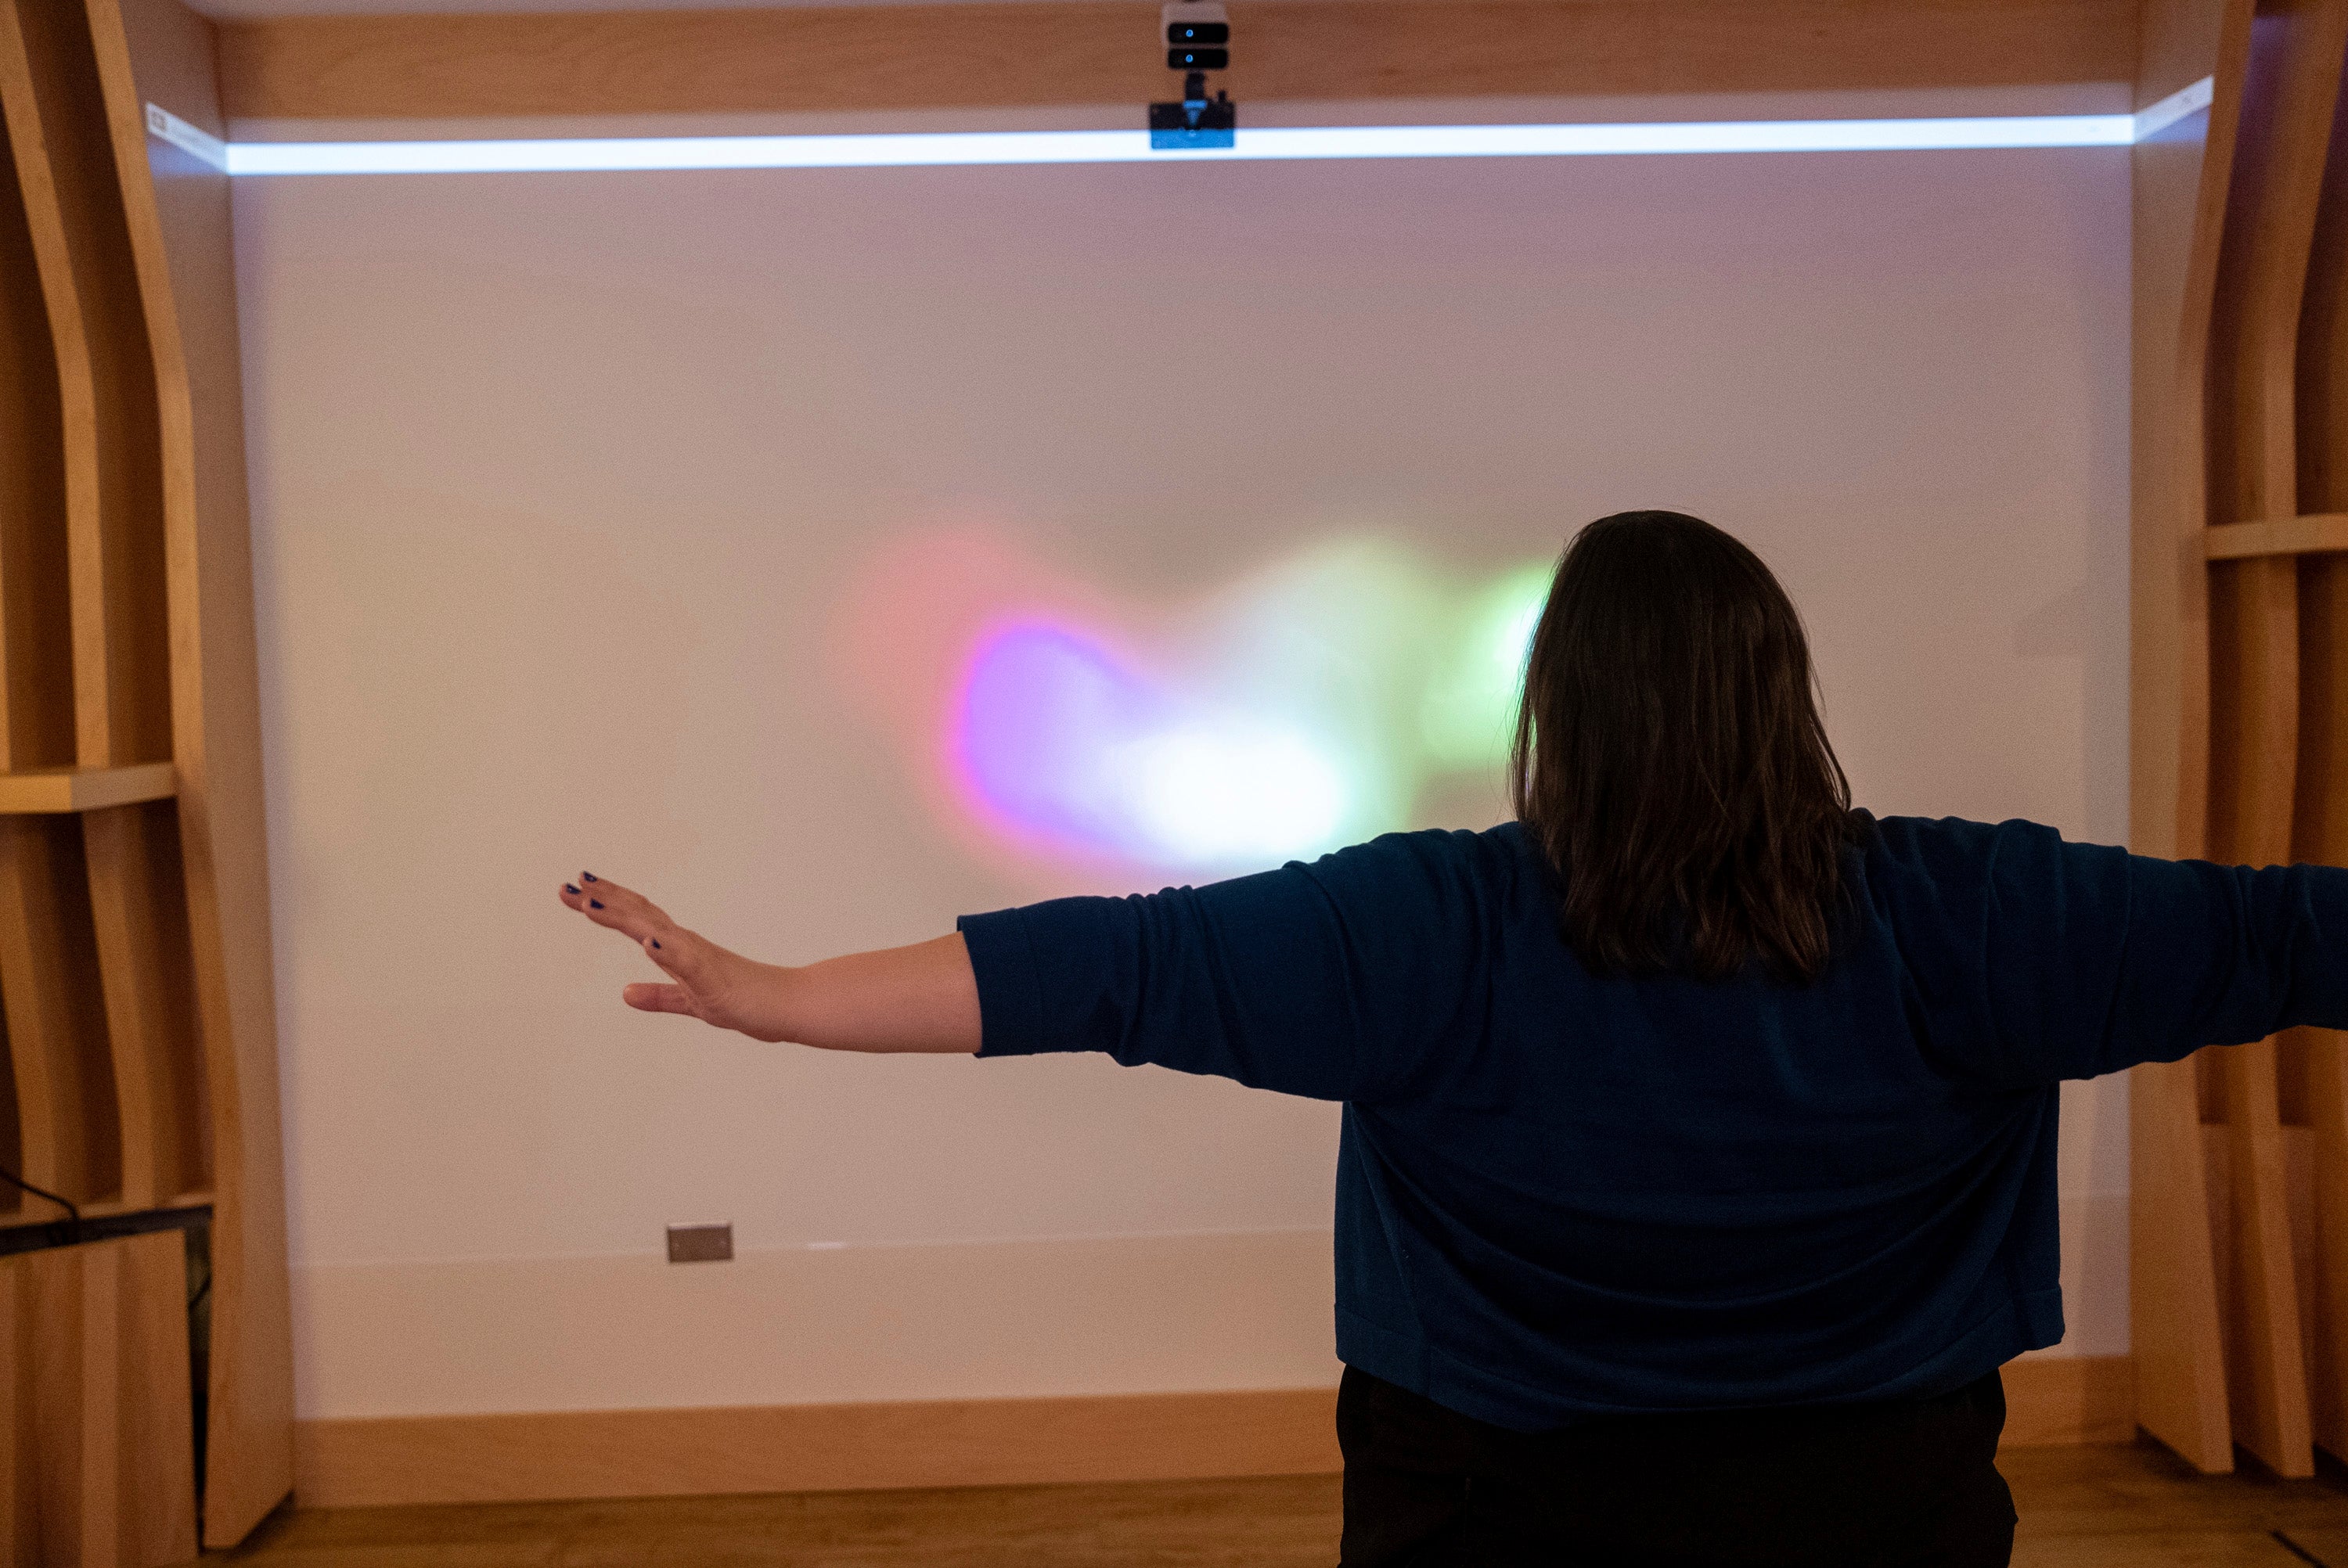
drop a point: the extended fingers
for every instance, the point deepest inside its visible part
(621, 908)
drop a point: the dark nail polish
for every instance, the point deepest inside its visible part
(569, 889)
(589, 875)
(594, 903)
(655, 941)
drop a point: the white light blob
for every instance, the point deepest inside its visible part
(1209, 795)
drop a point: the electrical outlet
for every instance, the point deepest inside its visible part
(701, 1244)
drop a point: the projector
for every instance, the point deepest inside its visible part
(1198, 39)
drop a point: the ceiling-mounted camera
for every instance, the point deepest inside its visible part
(1198, 39)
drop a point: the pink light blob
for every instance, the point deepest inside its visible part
(1040, 706)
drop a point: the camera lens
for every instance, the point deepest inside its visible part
(1199, 33)
(1198, 59)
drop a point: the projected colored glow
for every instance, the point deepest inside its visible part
(1303, 707)
(1053, 734)
(1471, 700)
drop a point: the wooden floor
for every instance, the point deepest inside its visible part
(2094, 1507)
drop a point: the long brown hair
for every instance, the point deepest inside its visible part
(1670, 760)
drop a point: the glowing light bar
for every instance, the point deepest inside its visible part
(555, 155)
(642, 153)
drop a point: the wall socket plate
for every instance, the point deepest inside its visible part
(701, 1244)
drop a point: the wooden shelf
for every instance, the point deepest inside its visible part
(40, 1225)
(2313, 534)
(50, 789)
(108, 1208)
(30, 1210)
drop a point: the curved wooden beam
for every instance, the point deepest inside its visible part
(2179, 179)
(177, 212)
(69, 1123)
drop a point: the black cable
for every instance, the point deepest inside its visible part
(72, 1209)
(2295, 1549)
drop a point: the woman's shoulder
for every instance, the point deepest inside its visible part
(1953, 837)
(1437, 860)
(1501, 846)
(1955, 859)
(1932, 856)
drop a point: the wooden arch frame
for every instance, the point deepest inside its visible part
(2239, 1188)
(140, 1068)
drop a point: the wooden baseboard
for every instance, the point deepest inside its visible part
(814, 1448)
(2051, 1400)
(950, 1442)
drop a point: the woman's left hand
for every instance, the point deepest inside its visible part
(706, 981)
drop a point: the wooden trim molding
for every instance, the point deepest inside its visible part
(519, 1458)
(814, 1447)
(2055, 1401)
(1029, 53)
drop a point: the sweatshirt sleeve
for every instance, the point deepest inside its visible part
(2090, 959)
(1333, 981)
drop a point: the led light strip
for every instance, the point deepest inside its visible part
(553, 155)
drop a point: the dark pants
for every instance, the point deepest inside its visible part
(1905, 1484)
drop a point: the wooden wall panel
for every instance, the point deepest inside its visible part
(97, 1456)
(2321, 390)
(1036, 52)
(12, 1153)
(18, 1540)
(152, 1450)
(2290, 95)
(36, 645)
(114, 514)
(2266, 1351)
(70, 1128)
(2291, 87)
(36, 638)
(139, 906)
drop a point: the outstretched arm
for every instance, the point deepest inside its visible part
(921, 998)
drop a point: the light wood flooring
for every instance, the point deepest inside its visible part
(2092, 1506)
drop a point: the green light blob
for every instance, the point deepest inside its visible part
(1468, 706)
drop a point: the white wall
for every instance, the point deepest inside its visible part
(559, 481)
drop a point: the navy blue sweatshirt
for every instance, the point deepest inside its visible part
(1559, 1195)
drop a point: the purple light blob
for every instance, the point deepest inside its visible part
(1040, 710)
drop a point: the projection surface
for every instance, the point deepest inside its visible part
(833, 552)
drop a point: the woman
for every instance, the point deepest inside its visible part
(1697, 1171)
